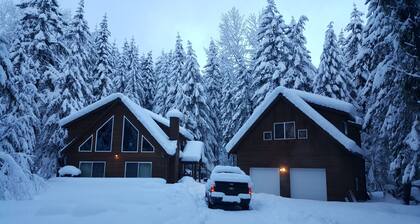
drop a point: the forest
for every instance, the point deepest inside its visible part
(52, 63)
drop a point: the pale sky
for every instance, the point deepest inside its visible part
(154, 23)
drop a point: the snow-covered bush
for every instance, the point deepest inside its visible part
(15, 182)
(69, 171)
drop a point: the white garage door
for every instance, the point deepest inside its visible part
(265, 180)
(308, 183)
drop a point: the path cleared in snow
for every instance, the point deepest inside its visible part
(117, 200)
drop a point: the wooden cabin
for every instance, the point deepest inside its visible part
(302, 145)
(115, 137)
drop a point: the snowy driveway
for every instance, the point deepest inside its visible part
(85, 200)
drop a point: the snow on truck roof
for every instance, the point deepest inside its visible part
(144, 116)
(300, 99)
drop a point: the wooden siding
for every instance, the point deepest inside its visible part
(87, 126)
(320, 150)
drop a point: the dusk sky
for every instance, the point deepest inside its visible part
(154, 24)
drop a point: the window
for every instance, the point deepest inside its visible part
(92, 169)
(146, 146)
(138, 169)
(86, 146)
(104, 136)
(130, 137)
(267, 135)
(302, 133)
(284, 130)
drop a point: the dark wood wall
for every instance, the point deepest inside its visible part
(320, 150)
(87, 126)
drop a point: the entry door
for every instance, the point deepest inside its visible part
(265, 180)
(308, 183)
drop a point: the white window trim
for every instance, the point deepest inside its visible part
(265, 139)
(144, 138)
(91, 144)
(303, 130)
(112, 134)
(91, 166)
(138, 162)
(284, 130)
(122, 139)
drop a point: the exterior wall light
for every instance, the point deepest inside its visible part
(283, 169)
(116, 156)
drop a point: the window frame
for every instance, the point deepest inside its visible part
(144, 138)
(91, 144)
(112, 134)
(122, 139)
(138, 162)
(284, 130)
(91, 166)
(302, 130)
(266, 139)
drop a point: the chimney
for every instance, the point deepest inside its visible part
(175, 117)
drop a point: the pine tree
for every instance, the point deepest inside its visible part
(301, 72)
(242, 100)
(353, 41)
(77, 68)
(391, 90)
(134, 88)
(102, 70)
(332, 78)
(178, 60)
(266, 62)
(148, 80)
(214, 85)
(6, 67)
(163, 68)
(192, 102)
(120, 72)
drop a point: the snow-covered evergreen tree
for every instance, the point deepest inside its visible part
(242, 100)
(353, 41)
(148, 80)
(9, 20)
(214, 87)
(77, 68)
(332, 78)
(301, 72)
(252, 24)
(391, 90)
(6, 67)
(120, 70)
(268, 68)
(177, 65)
(102, 70)
(134, 88)
(192, 102)
(162, 71)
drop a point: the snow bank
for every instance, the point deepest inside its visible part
(69, 171)
(146, 117)
(192, 151)
(15, 182)
(303, 106)
(175, 113)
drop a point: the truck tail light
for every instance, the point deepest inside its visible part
(249, 190)
(212, 188)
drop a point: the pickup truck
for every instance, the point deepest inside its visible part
(228, 185)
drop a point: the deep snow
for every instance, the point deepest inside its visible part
(116, 200)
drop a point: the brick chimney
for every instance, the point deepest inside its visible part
(175, 117)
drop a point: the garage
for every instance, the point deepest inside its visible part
(265, 180)
(308, 183)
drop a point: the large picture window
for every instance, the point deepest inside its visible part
(138, 169)
(130, 137)
(86, 146)
(284, 130)
(92, 169)
(104, 136)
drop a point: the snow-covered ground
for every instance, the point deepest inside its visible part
(115, 200)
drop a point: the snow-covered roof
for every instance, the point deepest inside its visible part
(175, 113)
(297, 99)
(326, 102)
(159, 118)
(192, 151)
(144, 116)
